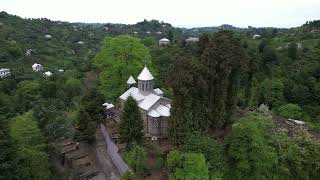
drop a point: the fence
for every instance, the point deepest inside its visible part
(112, 150)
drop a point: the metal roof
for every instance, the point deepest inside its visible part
(131, 80)
(145, 75)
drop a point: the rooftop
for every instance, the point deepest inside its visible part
(164, 40)
(145, 75)
(131, 80)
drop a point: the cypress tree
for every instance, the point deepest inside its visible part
(188, 111)
(225, 60)
(131, 123)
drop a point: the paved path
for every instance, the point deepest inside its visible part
(104, 159)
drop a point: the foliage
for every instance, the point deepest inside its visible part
(32, 159)
(131, 123)
(292, 50)
(7, 150)
(271, 93)
(27, 93)
(127, 176)
(136, 158)
(298, 157)
(212, 151)
(119, 58)
(90, 114)
(292, 111)
(250, 154)
(187, 166)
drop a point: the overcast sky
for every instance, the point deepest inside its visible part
(181, 13)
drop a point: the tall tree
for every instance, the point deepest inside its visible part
(188, 110)
(119, 58)
(131, 123)
(224, 60)
(90, 114)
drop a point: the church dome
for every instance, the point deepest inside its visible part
(145, 75)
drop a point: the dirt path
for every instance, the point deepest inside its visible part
(103, 158)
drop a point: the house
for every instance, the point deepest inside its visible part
(164, 41)
(37, 67)
(256, 36)
(148, 32)
(159, 32)
(192, 39)
(4, 72)
(48, 73)
(155, 108)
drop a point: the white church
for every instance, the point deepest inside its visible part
(155, 108)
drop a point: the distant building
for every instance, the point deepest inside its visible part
(4, 72)
(148, 32)
(61, 70)
(48, 36)
(256, 36)
(164, 41)
(37, 67)
(80, 42)
(155, 108)
(192, 39)
(48, 73)
(159, 32)
(135, 32)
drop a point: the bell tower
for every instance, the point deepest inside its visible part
(145, 81)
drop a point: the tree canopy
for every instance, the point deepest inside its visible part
(119, 58)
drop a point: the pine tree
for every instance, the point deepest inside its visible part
(131, 123)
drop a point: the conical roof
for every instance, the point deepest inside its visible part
(145, 75)
(131, 80)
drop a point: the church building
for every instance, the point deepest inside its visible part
(155, 108)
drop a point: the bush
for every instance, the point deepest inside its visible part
(136, 158)
(292, 111)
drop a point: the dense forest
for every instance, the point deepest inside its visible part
(228, 82)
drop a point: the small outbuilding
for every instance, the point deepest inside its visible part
(37, 67)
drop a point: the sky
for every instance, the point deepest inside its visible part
(180, 13)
